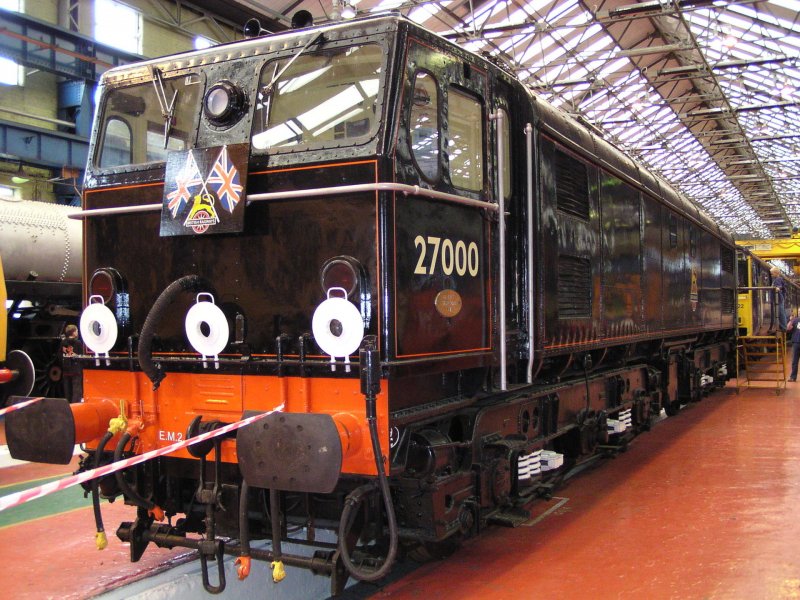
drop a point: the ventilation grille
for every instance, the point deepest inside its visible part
(572, 186)
(574, 288)
(727, 303)
(726, 261)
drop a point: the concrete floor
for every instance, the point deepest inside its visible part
(705, 505)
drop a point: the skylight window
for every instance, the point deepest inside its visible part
(387, 5)
(426, 11)
(652, 104)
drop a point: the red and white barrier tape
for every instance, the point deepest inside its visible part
(14, 407)
(55, 486)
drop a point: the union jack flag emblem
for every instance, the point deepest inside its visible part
(203, 188)
(224, 181)
(188, 178)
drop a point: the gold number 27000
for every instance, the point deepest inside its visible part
(445, 255)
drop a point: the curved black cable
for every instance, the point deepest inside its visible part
(145, 348)
(354, 500)
(98, 515)
(132, 494)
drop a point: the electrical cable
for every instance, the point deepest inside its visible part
(145, 348)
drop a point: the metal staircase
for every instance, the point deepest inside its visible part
(762, 358)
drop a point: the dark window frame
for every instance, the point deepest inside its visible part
(103, 148)
(437, 176)
(453, 88)
(672, 224)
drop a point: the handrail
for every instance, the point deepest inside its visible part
(529, 150)
(501, 242)
(405, 189)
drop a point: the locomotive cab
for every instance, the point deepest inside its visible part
(247, 236)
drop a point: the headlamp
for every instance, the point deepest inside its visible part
(224, 103)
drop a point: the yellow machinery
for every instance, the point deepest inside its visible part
(787, 249)
(16, 368)
(3, 315)
(762, 349)
(755, 312)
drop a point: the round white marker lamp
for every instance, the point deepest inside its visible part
(206, 327)
(98, 326)
(337, 325)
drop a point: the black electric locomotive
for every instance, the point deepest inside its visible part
(447, 291)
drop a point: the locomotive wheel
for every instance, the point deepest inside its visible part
(424, 552)
(47, 365)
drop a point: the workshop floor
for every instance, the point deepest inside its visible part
(706, 505)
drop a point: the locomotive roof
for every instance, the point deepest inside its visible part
(251, 47)
(583, 140)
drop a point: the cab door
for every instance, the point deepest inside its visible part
(442, 268)
(513, 162)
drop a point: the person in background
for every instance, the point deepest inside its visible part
(779, 285)
(71, 376)
(793, 331)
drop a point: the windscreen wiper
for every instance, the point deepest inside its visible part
(268, 88)
(167, 108)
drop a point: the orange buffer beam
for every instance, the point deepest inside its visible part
(167, 412)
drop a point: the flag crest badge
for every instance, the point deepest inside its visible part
(204, 190)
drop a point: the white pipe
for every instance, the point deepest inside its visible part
(501, 234)
(408, 190)
(529, 145)
(20, 113)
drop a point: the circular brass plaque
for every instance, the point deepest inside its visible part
(448, 303)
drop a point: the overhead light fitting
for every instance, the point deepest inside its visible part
(20, 176)
(725, 37)
(343, 9)
(348, 11)
(729, 41)
(785, 89)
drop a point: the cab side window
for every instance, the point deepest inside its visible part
(424, 125)
(117, 144)
(465, 140)
(506, 133)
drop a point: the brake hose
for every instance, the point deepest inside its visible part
(370, 387)
(243, 561)
(100, 537)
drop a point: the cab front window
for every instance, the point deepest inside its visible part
(134, 131)
(325, 98)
